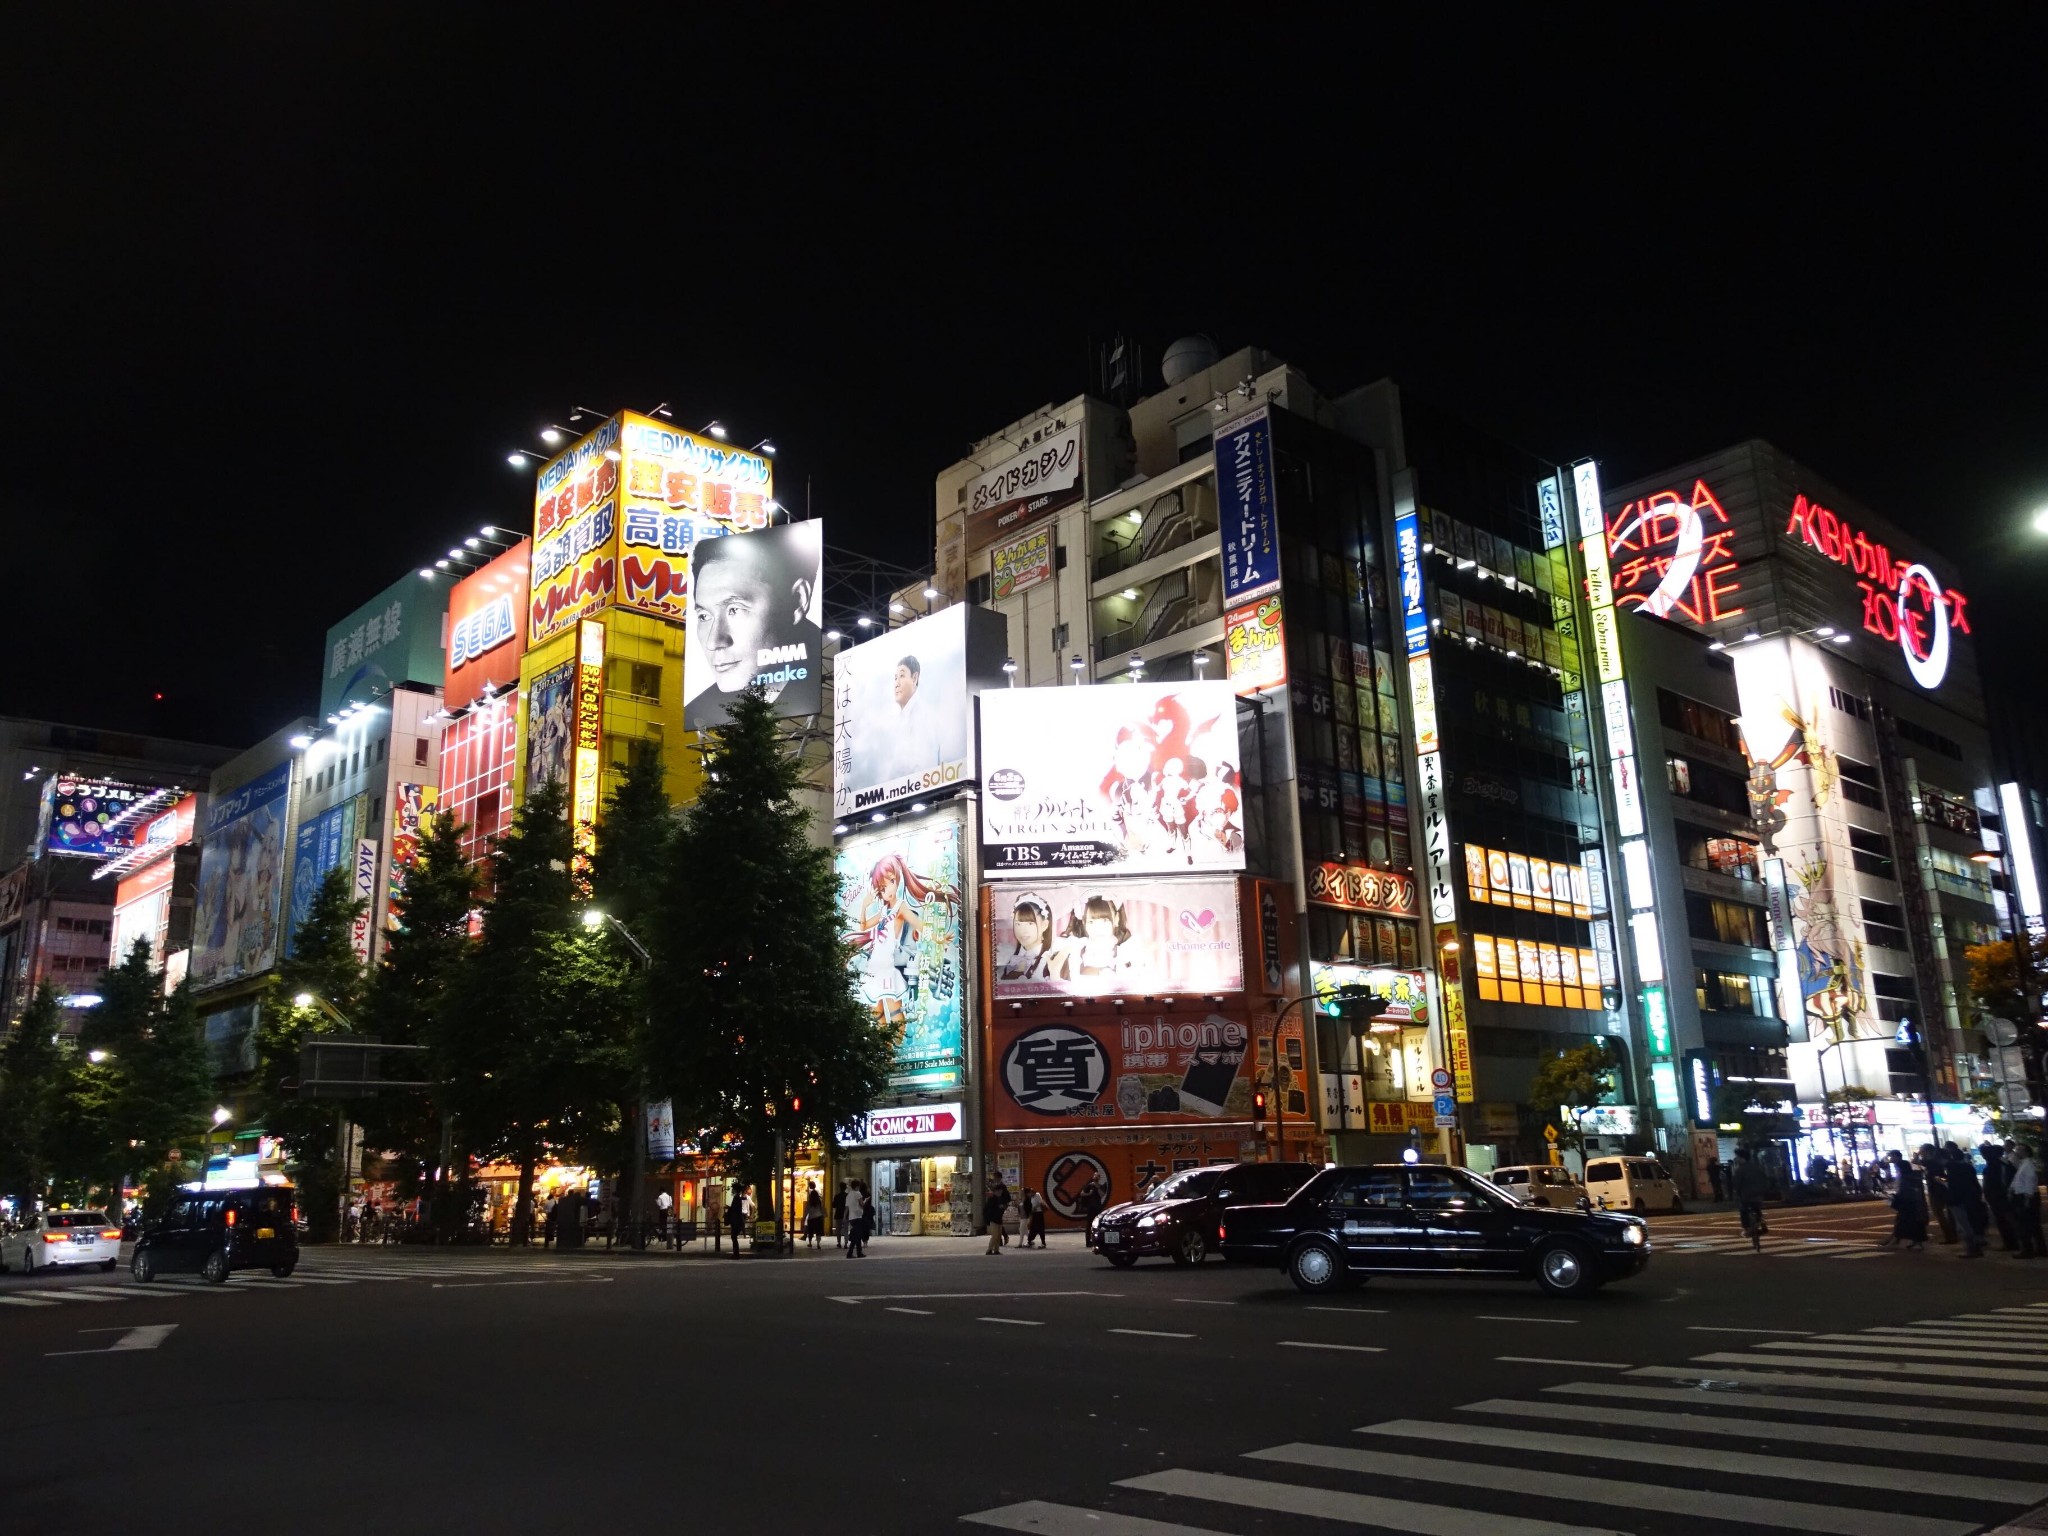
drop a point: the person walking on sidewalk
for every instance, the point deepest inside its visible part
(992, 1210)
(1714, 1178)
(736, 1215)
(855, 1220)
(1997, 1175)
(814, 1217)
(2025, 1194)
(839, 1213)
(1909, 1205)
(1935, 1172)
(1034, 1218)
(1966, 1200)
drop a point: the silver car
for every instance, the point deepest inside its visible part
(59, 1238)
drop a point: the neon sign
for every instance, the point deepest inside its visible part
(1902, 600)
(1669, 551)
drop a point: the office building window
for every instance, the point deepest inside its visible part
(1860, 783)
(1871, 854)
(1884, 924)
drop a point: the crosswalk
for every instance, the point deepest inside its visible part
(1837, 1232)
(1904, 1430)
(325, 1271)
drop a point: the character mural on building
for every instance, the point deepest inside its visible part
(241, 881)
(900, 905)
(550, 725)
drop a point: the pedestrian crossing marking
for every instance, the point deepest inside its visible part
(1698, 1503)
(1792, 1378)
(1829, 1407)
(1043, 1519)
(1342, 1504)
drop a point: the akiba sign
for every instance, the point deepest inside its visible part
(1903, 601)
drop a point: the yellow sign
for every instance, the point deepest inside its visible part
(1606, 644)
(1550, 1133)
(1456, 1040)
(1253, 647)
(1396, 1116)
(1599, 586)
(589, 760)
(1422, 691)
(1023, 563)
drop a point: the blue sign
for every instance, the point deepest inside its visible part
(1447, 1104)
(1246, 516)
(1408, 554)
(326, 842)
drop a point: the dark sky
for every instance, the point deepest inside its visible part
(277, 296)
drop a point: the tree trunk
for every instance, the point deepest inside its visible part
(522, 1211)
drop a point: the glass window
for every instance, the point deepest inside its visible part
(1440, 1189)
(1602, 1173)
(1379, 1188)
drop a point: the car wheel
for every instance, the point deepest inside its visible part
(1316, 1267)
(1677, 1206)
(283, 1271)
(1564, 1269)
(215, 1269)
(108, 1265)
(1121, 1260)
(1637, 1206)
(1190, 1247)
(142, 1266)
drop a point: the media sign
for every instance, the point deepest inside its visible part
(241, 881)
(756, 616)
(1146, 938)
(394, 638)
(1903, 601)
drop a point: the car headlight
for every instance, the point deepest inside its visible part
(1148, 1221)
(1633, 1237)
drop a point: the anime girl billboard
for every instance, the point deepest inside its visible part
(1096, 938)
(900, 903)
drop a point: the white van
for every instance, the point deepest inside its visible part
(1631, 1184)
(1540, 1184)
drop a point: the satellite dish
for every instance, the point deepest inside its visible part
(2001, 1032)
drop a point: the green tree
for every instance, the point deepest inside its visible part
(323, 968)
(635, 845)
(753, 1026)
(1572, 1082)
(1757, 1110)
(407, 1001)
(33, 1073)
(159, 1081)
(534, 1048)
(2006, 982)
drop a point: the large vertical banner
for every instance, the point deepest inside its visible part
(241, 881)
(900, 901)
(325, 842)
(412, 807)
(589, 760)
(1247, 515)
(550, 725)
(575, 527)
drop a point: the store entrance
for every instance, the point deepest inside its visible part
(914, 1195)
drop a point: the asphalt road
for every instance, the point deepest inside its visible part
(1823, 1385)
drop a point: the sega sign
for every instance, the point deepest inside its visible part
(913, 1123)
(484, 630)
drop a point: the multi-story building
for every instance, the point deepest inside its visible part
(480, 701)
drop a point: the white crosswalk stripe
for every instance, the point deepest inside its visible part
(1851, 1434)
(311, 1273)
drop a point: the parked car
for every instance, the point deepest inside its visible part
(1632, 1184)
(1540, 1184)
(217, 1232)
(55, 1239)
(1346, 1224)
(1177, 1217)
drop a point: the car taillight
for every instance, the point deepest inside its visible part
(54, 1237)
(231, 1216)
(1219, 1232)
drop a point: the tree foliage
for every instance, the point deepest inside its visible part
(1572, 1082)
(33, 1072)
(753, 1028)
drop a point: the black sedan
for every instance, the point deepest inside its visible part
(1391, 1219)
(1177, 1218)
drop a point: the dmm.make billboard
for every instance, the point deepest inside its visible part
(757, 610)
(1134, 778)
(241, 881)
(396, 637)
(900, 905)
(902, 714)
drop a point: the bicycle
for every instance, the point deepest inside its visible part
(1753, 1226)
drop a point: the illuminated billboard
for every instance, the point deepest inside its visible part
(618, 514)
(756, 610)
(902, 721)
(588, 765)
(1023, 562)
(1132, 778)
(680, 490)
(487, 628)
(550, 725)
(1102, 1073)
(1043, 478)
(1254, 646)
(412, 809)
(82, 816)
(325, 842)
(1098, 938)
(393, 638)
(241, 881)
(900, 906)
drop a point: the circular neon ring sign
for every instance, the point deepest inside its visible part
(1928, 670)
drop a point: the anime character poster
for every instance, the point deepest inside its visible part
(241, 881)
(1136, 778)
(900, 903)
(550, 722)
(1096, 938)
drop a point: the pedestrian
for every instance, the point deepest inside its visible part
(992, 1214)
(870, 1214)
(1034, 1211)
(663, 1204)
(736, 1214)
(1966, 1200)
(1935, 1172)
(855, 1220)
(1998, 1195)
(814, 1217)
(550, 1222)
(839, 1213)
(1089, 1206)
(1909, 1205)
(1714, 1178)
(2025, 1194)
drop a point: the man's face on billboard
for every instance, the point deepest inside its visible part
(731, 615)
(905, 684)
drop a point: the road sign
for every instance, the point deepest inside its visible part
(1440, 1080)
(1446, 1110)
(1550, 1133)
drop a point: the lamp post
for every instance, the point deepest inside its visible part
(595, 919)
(1348, 995)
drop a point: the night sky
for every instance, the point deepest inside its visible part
(277, 297)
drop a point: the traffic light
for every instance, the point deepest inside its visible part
(1259, 1107)
(1354, 1002)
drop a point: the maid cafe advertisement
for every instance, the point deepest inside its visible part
(901, 907)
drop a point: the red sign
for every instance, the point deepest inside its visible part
(487, 628)
(913, 1123)
(1902, 600)
(1357, 889)
(1670, 552)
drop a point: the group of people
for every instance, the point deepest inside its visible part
(853, 1217)
(995, 1211)
(1943, 1182)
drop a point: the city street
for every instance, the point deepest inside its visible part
(1825, 1385)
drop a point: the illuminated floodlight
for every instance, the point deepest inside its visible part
(474, 543)
(897, 608)
(865, 622)
(592, 918)
(832, 634)
(931, 594)
(426, 570)
(1129, 594)
(1752, 635)
(550, 436)
(917, 805)
(301, 741)
(1826, 631)
(2041, 521)
(1840, 639)
(876, 817)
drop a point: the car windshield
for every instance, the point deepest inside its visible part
(75, 1219)
(1505, 1196)
(1186, 1185)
